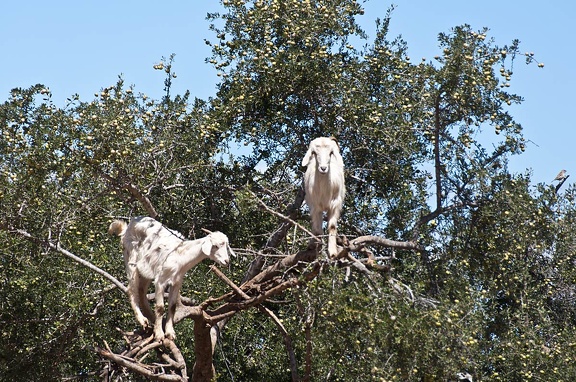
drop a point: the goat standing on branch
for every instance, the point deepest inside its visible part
(324, 187)
(153, 252)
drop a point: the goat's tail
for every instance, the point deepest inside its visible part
(117, 227)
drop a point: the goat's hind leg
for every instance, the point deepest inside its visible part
(135, 298)
(316, 218)
(144, 302)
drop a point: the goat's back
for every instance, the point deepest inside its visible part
(151, 244)
(147, 228)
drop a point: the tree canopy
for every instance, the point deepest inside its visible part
(450, 265)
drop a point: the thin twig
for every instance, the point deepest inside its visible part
(284, 217)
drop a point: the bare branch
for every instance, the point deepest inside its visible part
(137, 367)
(132, 190)
(291, 212)
(269, 313)
(58, 248)
(283, 217)
(146, 203)
(229, 282)
(560, 184)
(358, 243)
(437, 159)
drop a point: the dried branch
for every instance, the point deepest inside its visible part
(291, 213)
(139, 347)
(228, 282)
(557, 188)
(358, 243)
(138, 367)
(144, 200)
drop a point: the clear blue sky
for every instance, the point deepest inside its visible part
(83, 46)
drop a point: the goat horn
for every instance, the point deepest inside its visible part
(205, 230)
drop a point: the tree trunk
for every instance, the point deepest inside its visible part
(204, 350)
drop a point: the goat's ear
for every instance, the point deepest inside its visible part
(230, 251)
(333, 139)
(307, 157)
(338, 157)
(207, 246)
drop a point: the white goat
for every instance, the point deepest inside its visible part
(153, 252)
(324, 186)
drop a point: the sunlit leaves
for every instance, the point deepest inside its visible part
(64, 174)
(425, 143)
(409, 131)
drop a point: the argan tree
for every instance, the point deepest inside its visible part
(448, 264)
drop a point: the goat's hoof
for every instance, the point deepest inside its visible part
(158, 336)
(145, 324)
(170, 336)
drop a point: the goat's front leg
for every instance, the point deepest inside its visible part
(332, 226)
(159, 296)
(316, 217)
(134, 296)
(172, 303)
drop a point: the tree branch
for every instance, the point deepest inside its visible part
(70, 255)
(137, 367)
(283, 217)
(146, 203)
(269, 313)
(437, 162)
(291, 213)
(560, 184)
(134, 191)
(358, 243)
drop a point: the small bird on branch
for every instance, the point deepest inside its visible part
(561, 176)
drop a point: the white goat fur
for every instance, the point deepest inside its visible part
(324, 186)
(153, 252)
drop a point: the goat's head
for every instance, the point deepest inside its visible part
(323, 150)
(216, 247)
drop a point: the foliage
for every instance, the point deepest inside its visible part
(425, 146)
